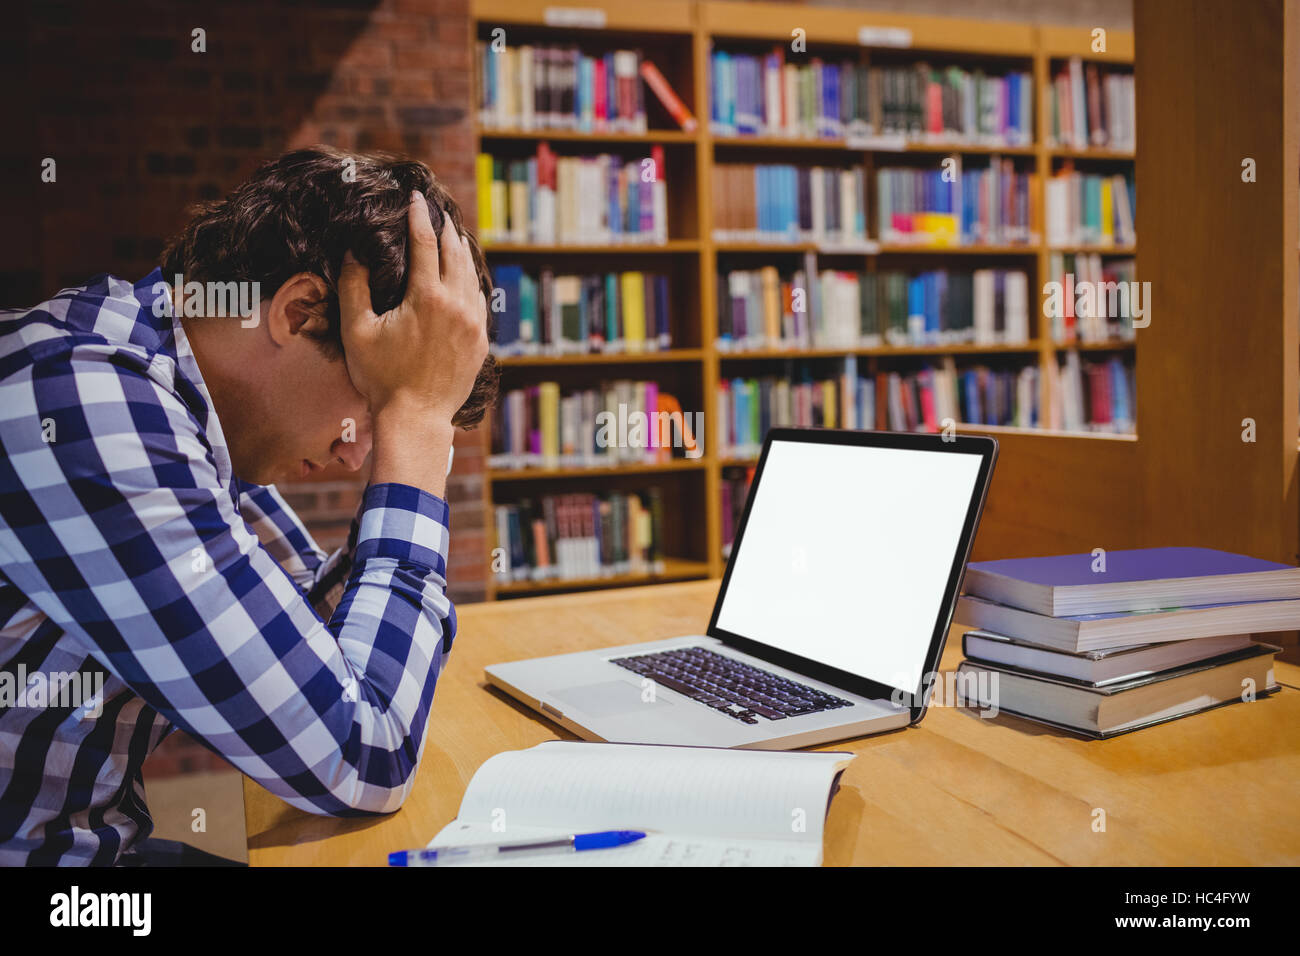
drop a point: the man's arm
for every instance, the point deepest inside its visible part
(319, 576)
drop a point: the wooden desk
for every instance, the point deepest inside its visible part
(1215, 789)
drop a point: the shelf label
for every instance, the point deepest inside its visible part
(882, 142)
(587, 18)
(884, 36)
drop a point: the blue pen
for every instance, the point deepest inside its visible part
(575, 843)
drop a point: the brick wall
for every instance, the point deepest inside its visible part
(1113, 14)
(140, 126)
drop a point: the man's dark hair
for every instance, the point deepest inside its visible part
(302, 212)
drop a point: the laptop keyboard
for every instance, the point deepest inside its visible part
(730, 687)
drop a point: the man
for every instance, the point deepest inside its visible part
(143, 550)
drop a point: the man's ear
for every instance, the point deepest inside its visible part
(297, 307)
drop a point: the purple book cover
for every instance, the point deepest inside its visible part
(1144, 564)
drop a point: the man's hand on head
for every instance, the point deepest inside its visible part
(416, 364)
(428, 350)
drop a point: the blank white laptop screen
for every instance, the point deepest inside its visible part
(846, 555)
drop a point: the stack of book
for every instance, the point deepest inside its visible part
(587, 200)
(1109, 642)
(570, 536)
(1091, 106)
(567, 314)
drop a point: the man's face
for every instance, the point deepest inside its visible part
(320, 420)
(295, 411)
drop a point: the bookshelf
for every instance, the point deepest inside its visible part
(678, 37)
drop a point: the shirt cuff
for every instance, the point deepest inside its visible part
(404, 523)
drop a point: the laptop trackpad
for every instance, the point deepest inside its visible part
(606, 699)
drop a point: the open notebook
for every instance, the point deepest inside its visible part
(700, 806)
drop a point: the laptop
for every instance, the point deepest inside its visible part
(837, 598)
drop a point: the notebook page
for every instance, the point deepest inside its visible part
(657, 849)
(706, 793)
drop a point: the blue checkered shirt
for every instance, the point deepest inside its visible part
(143, 587)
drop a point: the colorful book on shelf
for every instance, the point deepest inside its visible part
(765, 95)
(591, 200)
(535, 87)
(757, 308)
(582, 535)
(790, 204)
(993, 205)
(1095, 301)
(580, 314)
(667, 96)
(1091, 106)
(673, 426)
(1092, 396)
(619, 422)
(1130, 580)
(1089, 209)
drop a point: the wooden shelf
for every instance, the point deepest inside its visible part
(732, 245)
(1111, 345)
(875, 248)
(1059, 43)
(882, 351)
(650, 137)
(968, 428)
(690, 28)
(675, 569)
(843, 145)
(622, 249)
(603, 358)
(663, 16)
(898, 248)
(841, 26)
(1046, 432)
(579, 471)
(1099, 250)
(1091, 152)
